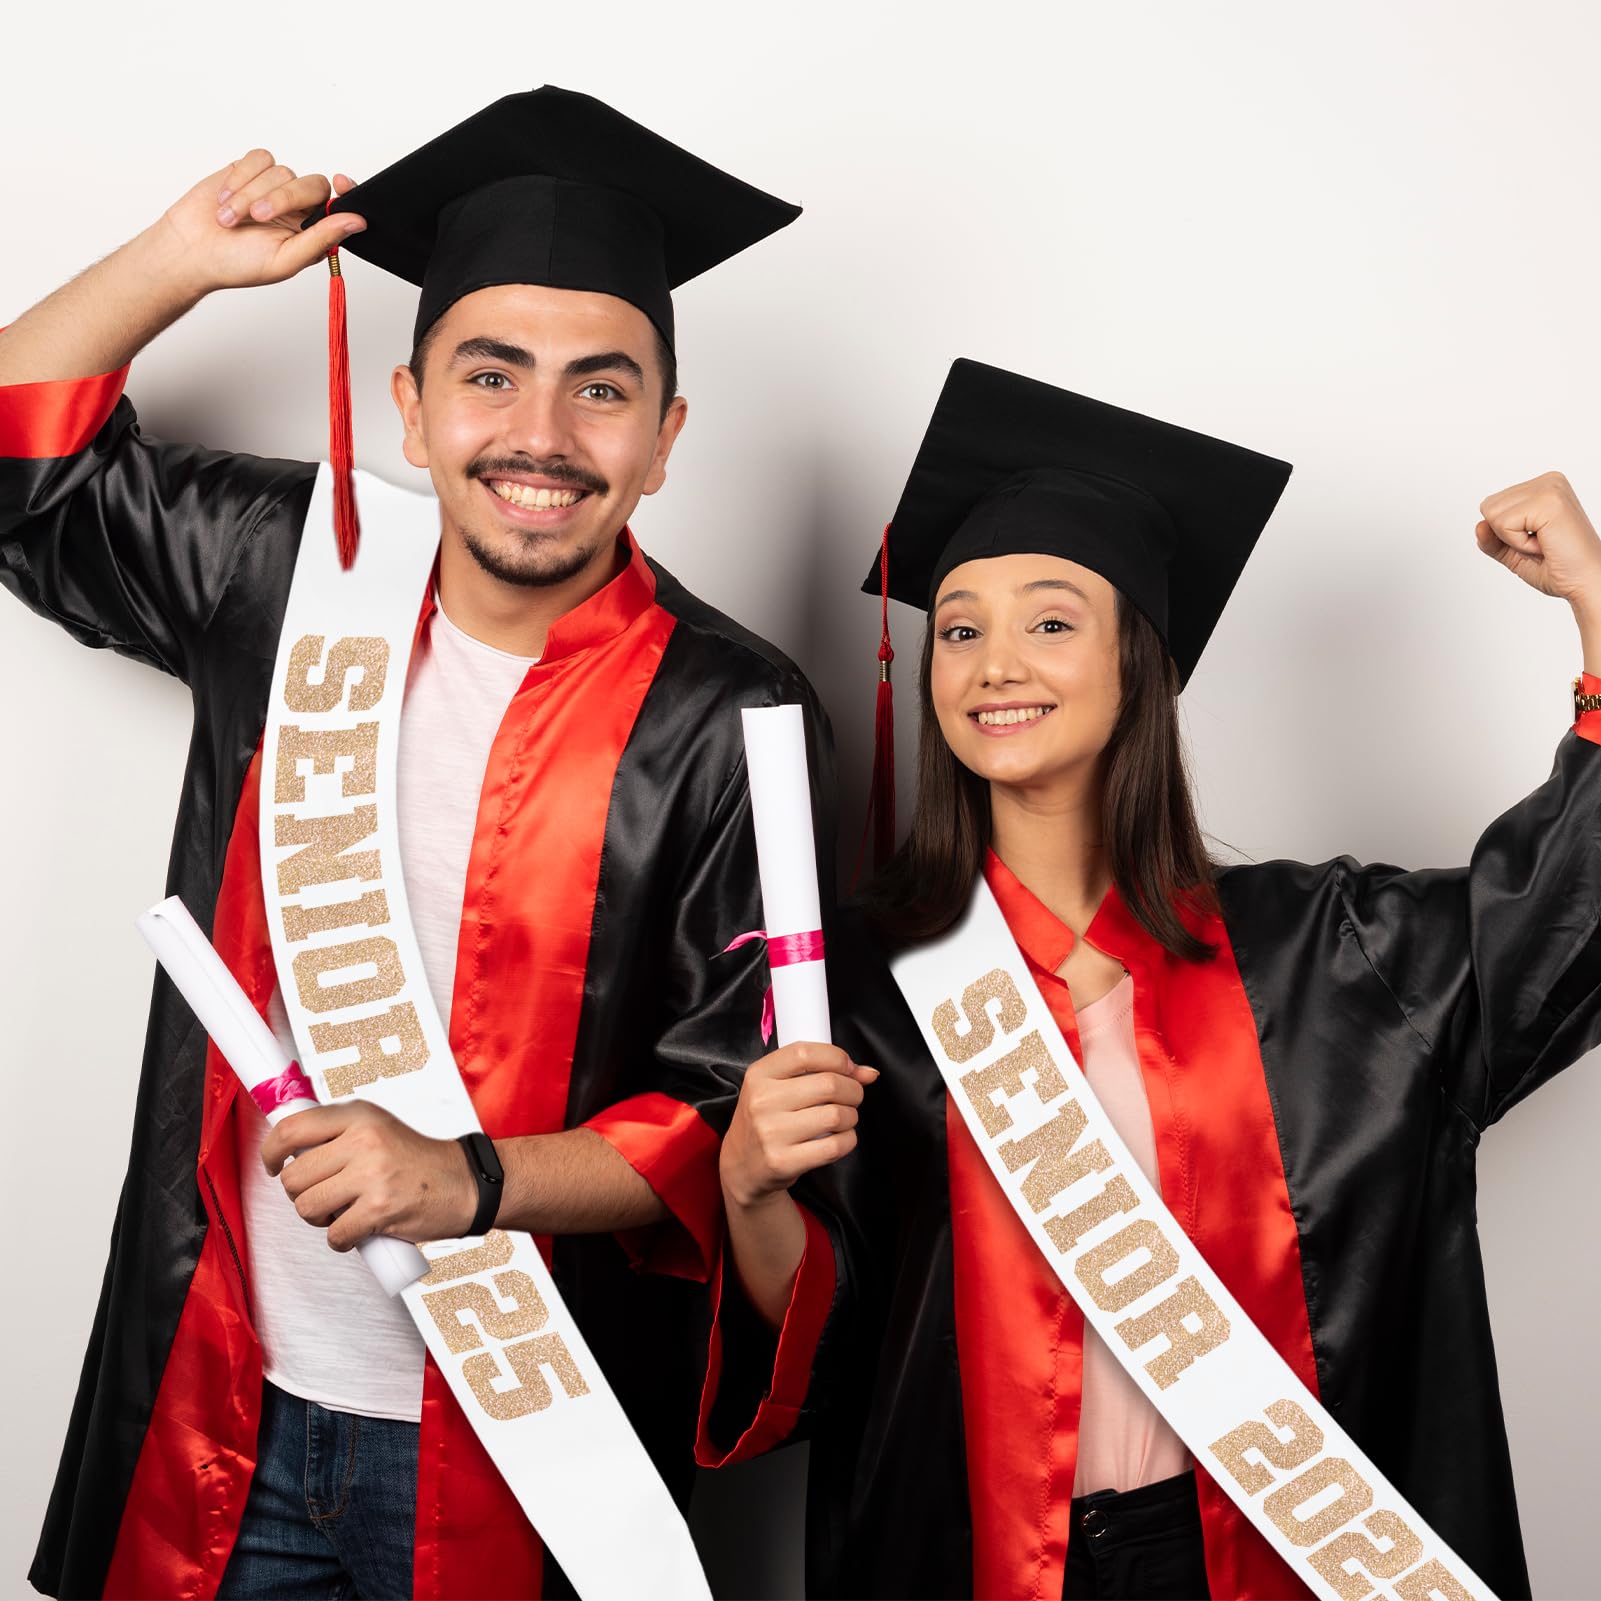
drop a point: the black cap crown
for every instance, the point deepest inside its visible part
(552, 187)
(1011, 465)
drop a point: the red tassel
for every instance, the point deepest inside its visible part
(347, 528)
(880, 821)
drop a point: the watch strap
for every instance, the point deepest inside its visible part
(484, 1165)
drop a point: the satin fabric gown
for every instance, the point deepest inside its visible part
(1318, 1091)
(613, 863)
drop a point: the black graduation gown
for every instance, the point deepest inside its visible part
(182, 557)
(1318, 1093)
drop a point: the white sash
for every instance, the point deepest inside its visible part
(358, 1002)
(1146, 1290)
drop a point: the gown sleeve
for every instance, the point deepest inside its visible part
(764, 1389)
(126, 541)
(1497, 965)
(758, 1391)
(711, 1015)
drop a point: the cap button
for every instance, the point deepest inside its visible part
(1093, 1523)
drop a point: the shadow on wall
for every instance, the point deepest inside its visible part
(749, 1525)
(836, 645)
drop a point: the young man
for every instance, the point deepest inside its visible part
(575, 841)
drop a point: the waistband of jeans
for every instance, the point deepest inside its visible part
(1167, 1500)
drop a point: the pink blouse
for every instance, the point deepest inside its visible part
(1122, 1440)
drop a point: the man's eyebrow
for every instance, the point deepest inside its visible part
(606, 361)
(484, 348)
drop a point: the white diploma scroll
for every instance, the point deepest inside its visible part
(271, 1078)
(781, 810)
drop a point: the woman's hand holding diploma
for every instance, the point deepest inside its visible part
(797, 1111)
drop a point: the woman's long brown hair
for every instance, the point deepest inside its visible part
(1154, 844)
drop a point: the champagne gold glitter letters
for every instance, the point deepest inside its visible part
(368, 653)
(370, 908)
(526, 1313)
(533, 1392)
(1403, 1550)
(1114, 1295)
(1115, 1197)
(976, 1000)
(323, 748)
(1431, 1582)
(1168, 1320)
(1050, 1149)
(495, 1251)
(1304, 1442)
(370, 1037)
(378, 953)
(1285, 1503)
(326, 839)
(1006, 1075)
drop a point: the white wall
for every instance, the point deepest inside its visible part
(1361, 237)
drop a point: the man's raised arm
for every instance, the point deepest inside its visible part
(154, 548)
(237, 228)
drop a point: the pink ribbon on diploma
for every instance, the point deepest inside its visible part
(290, 1085)
(783, 950)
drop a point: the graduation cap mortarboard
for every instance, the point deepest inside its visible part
(1010, 465)
(556, 188)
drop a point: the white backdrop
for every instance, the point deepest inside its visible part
(1363, 238)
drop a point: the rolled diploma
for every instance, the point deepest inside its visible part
(251, 1049)
(786, 857)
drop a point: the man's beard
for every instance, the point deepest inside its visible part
(540, 563)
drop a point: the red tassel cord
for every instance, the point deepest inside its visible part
(880, 821)
(347, 527)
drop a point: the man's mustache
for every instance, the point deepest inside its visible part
(562, 471)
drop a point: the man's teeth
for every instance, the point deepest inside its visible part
(526, 495)
(1014, 714)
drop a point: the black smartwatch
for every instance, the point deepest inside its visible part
(488, 1174)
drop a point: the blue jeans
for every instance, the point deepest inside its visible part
(331, 1508)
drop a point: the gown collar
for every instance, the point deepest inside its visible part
(1042, 936)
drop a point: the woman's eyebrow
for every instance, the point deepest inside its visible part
(1054, 583)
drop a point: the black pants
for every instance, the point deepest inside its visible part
(1138, 1545)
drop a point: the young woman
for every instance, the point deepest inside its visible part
(1301, 1059)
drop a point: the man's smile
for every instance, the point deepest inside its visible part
(530, 495)
(532, 501)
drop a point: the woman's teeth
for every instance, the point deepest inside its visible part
(1014, 714)
(539, 499)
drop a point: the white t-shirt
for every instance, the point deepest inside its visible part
(328, 1333)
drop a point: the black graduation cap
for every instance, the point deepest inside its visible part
(543, 187)
(1010, 466)
(552, 187)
